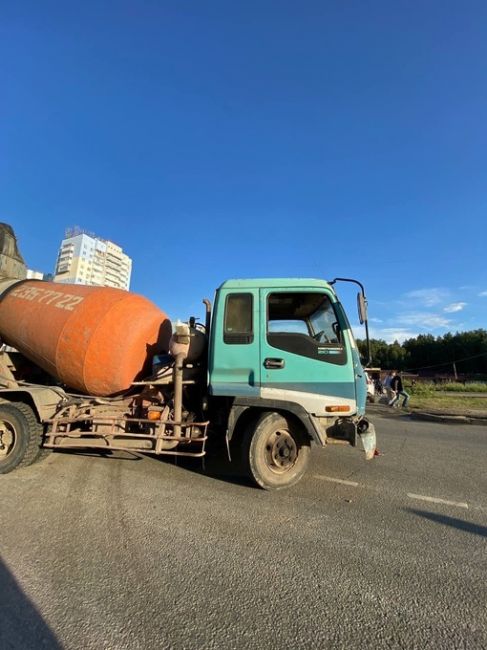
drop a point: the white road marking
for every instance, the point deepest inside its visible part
(421, 497)
(336, 480)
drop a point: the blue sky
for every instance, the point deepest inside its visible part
(247, 139)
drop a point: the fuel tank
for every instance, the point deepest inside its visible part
(97, 340)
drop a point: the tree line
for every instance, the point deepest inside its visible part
(463, 352)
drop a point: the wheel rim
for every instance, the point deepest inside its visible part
(281, 451)
(8, 437)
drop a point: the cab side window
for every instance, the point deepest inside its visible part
(305, 324)
(238, 322)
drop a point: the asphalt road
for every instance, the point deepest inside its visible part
(139, 553)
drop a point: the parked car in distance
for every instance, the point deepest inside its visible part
(374, 385)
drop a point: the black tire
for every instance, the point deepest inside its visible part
(275, 452)
(21, 436)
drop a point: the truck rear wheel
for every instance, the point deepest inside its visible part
(276, 452)
(20, 436)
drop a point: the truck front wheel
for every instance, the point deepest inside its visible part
(20, 436)
(276, 452)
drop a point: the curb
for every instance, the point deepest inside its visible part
(445, 418)
(448, 419)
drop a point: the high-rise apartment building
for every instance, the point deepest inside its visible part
(84, 258)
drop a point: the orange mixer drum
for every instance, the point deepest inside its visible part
(97, 340)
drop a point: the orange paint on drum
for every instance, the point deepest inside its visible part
(97, 340)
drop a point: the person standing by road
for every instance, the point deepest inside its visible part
(397, 387)
(388, 386)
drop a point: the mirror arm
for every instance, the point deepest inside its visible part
(366, 321)
(369, 350)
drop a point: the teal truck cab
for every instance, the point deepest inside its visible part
(283, 359)
(274, 369)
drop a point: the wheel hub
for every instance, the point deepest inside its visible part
(7, 438)
(281, 451)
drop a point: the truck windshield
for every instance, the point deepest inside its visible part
(345, 324)
(311, 314)
(324, 323)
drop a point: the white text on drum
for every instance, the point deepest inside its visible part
(48, 297)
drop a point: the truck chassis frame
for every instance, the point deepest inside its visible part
(60, 433)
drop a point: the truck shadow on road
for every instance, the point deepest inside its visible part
(214, 466)
(460, 524)
(218, 468)
(105, 454)
(21, 625)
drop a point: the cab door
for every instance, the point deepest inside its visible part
(235, 346)
(305, 353)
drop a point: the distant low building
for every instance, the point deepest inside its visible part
(84, 258)
(35, 275)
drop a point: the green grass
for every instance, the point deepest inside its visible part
(425, 388)
(469, 387)
(448, 402)
(426, 395)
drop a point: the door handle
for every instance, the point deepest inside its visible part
(274, 364)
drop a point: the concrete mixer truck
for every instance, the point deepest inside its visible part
(273, 370)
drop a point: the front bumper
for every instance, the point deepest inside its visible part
(350, 430)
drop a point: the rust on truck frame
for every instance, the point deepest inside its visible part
(60, 434)
(82, 421)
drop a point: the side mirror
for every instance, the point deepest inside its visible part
(362, 308)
